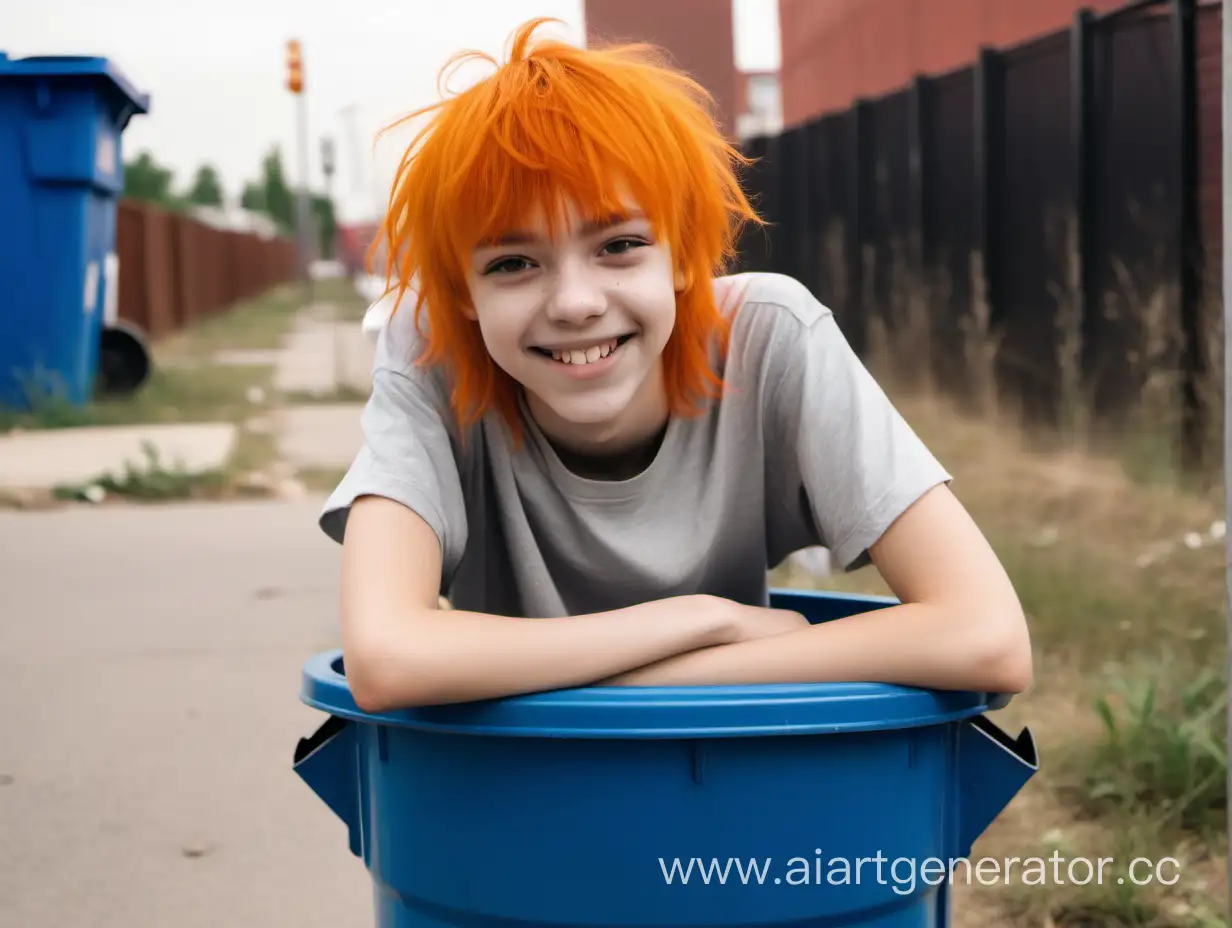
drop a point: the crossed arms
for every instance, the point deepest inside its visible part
(959, 625)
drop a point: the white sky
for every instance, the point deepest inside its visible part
(214, 70)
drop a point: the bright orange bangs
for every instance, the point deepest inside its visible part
(559, 123)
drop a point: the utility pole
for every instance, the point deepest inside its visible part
(348, 118)
(357, 176)
(327, 167)
(295, 84)
(328, 163)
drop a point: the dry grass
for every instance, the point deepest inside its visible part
(257, 324)
(186, 384)
(1121, 568)
(1062, 519)
(189, 383)
(1113, 594)
(181, 393)
(1115, 543)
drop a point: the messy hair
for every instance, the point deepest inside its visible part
(557, 123)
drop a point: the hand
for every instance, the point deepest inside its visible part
(737, 621)
(742, 623)
(753, 622)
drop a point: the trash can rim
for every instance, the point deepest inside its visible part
(74, 66)
(660, 711)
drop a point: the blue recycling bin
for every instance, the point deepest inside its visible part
(61, 171)
(802, 805)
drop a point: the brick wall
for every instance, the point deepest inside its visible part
(837, 50)
(175, 270)
(696, 33)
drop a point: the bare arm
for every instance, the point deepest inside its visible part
(402, 651)
(960, 625)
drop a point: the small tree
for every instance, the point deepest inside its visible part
(146, 180)
(206, 188)
(273, 196)
(253, 198)
(326, 224)
(279, 200)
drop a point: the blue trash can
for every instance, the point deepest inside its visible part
(821, 804)
(61, 171)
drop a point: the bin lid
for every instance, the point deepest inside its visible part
(74, 66)
(661, 712)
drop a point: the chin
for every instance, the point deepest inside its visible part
(590, 412)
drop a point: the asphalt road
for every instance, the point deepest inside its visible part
(149, 709)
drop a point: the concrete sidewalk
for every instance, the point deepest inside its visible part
(323, 355)
(46, 458)
(325, 437)
(150, 664)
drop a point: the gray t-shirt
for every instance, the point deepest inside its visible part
(803, 450)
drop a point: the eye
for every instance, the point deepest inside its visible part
(623, 246)
(509, 265)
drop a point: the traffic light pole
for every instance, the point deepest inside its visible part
(303, 223)
(304, 204)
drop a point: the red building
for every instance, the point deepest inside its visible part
(697, 34)
(834, 51)
(351, 245)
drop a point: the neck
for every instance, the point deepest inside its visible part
(612, 465)
(616, 448)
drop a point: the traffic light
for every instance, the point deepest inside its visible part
(327, 156)
(295, 67)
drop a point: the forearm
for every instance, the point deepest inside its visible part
(910, 645)
(437, 657)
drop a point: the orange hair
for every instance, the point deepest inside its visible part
(559, 122)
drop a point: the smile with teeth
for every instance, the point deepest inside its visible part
(587, 355)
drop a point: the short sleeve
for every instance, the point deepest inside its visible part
(408, 451)
(859, 464)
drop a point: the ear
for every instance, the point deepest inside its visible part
(682, 280)
(468, 310)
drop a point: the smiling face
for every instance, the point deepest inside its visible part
(579, 315)
(572, 134)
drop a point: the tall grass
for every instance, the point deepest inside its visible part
(1094, 535)
(1163, 754)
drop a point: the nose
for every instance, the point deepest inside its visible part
(576, 294)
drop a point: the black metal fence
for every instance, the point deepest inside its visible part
(1025, 229)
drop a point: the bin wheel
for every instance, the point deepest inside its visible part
(123, 360)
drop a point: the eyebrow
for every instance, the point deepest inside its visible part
(590, 227)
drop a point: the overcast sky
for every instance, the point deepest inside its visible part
(214, 70)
